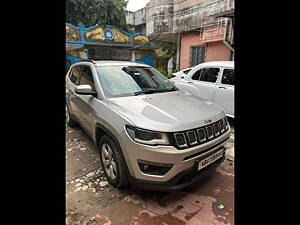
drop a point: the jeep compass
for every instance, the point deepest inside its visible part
(148, 132)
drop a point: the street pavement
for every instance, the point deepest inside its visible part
(91, 200)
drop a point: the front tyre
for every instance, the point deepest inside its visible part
(69, 121)
(112, 162)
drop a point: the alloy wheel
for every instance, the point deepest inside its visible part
(109, 162)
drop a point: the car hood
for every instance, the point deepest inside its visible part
(168, 112)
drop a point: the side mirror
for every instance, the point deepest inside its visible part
(85, 90)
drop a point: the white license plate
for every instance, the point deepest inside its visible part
(205, 162)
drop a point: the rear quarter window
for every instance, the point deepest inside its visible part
(75, 75)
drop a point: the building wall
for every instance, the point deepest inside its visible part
(172, 16)
(214, 50)
(140, 16)
(137, 19)
(217, 51)
(187, 41)
(130, 18)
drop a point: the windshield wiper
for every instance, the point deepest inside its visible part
(168, 90)
(155, 91)
(145, 92)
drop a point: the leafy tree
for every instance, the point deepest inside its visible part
(92, 12)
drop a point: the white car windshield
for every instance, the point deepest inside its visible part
(117, 81)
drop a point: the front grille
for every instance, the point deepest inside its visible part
(180, 140)
(192, 138)
(210, 133)
(216, 129)
(200, 135)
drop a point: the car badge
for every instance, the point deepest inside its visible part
(207, 121)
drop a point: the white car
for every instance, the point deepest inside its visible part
(213, 81)
(182, 73)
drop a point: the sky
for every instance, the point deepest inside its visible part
(134, 5)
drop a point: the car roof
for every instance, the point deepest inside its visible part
(117, 63)
(218, 63)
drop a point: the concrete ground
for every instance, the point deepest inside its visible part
(91, 200)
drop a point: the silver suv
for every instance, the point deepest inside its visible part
(149, 133)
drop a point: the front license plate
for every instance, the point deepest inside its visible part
(205, 162)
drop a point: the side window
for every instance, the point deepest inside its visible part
(196, 75)
(75, 75)
(186, 71)
(210, 74)
(86, 76)
(228, 76)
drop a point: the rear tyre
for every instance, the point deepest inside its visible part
(112, 162)
(69, 121)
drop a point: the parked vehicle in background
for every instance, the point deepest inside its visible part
(147, 131)
(213, 81)
(181, 74)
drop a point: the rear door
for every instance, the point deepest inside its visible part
(206, 83)
(224, 96)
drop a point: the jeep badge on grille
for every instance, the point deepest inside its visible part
(207, 121)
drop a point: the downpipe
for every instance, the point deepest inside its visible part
(226, 28)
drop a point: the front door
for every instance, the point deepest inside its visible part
(86, 102)
(206, 84)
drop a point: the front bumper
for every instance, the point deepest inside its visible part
(183, 161)
(181, 180)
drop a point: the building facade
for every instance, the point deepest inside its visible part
(200, 35)
(106, 43)
(137, 20)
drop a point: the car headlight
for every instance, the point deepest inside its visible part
(147, 137)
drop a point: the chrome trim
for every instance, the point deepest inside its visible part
(212, 131)
(223, 128)
(204, 139)
(227, 123)
(216, 133)
(192, 143)
(185, 145)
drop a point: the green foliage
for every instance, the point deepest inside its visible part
(101, 12)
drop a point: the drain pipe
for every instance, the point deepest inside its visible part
(225, 29)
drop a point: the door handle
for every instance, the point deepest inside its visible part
(223, 87)
(190, 82)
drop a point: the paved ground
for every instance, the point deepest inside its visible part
(90, 200)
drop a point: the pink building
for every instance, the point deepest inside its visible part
(199, 28)
(199, 47)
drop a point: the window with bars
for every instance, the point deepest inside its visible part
(197, 55)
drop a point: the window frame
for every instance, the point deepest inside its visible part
(70, 74)
(191, 54)
(93, 80)
(211, 67)
(199, 75)
(221, 79)
(188, 70)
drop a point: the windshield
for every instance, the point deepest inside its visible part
(119, 81)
